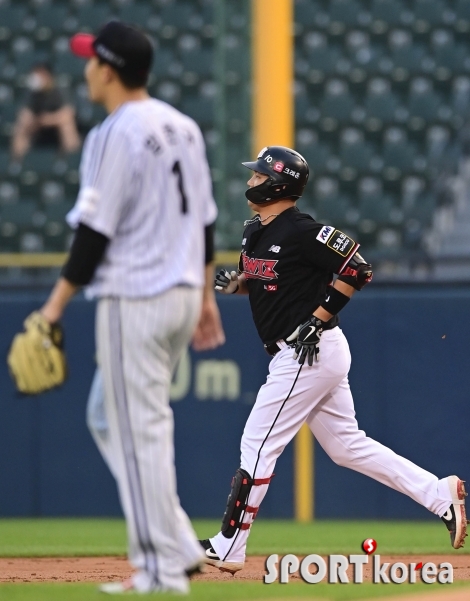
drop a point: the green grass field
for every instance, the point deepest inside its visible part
(94, 537)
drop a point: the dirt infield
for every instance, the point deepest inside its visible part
(104, 569)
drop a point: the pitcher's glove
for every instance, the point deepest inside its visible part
(36, 359)
(226, 282)
(308, 338)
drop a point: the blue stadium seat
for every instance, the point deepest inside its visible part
(337, 103)
(92, 16)
(141, 14)
(423, 103)
(331, 207)
(177, 17)
(427, 14)
(354, 151)
(200, 109)
(69, 64)
(309, 14)
(462, 14)
(407, 57)
(345, 13)
(448, 56)
(12, 20)
(385, 14)
(166, 64)
(460, 97)
(398, 154)
(50, 19)
(321, 58)
(381, 104)
(315, 153)
(374, 205)
(199, 62)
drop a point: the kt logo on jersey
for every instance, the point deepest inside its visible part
(259, 269)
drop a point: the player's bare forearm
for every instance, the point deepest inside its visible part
(59, 298)
(209, 333)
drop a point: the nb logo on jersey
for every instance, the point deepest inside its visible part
(274, 249)
(260, 269)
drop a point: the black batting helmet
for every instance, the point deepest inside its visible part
(288, 174)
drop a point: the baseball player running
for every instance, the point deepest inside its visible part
(143, 225)
(286, 267)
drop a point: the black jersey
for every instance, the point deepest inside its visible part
(288, 265)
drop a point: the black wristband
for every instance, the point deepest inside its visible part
(334, 301)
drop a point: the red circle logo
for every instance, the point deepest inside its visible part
(369, 546)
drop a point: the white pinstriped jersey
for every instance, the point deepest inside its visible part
(145, 184)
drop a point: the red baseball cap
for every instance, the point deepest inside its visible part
(82, 45)
(118, 44)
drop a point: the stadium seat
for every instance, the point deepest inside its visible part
(354, 152)
(407, 58)
(199, 62)
(322, 59)
(309, 14)
(68, 64)
(12, 20)
(462, 16)
(385, 14)
(50, 19)
(331, 207)
(142, 14)
(40, 161)
(427, 14)
(374, 205)
(380, 104)
(398, 154)
(344, 13)
(200, 109)
(19, 214)
(460, 96)
(166, 64)
(91, 17)
(316, 154)
(448, 56)
(9, 191)
(175, 18)
(337, 102)
(423, 103)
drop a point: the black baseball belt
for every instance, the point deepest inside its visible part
(273, 348)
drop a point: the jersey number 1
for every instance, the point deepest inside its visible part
(184, 201)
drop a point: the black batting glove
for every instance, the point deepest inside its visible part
(308, 336)
(226, 282)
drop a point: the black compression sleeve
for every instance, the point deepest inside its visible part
(87, 250)
(209, 239)
(334, 301)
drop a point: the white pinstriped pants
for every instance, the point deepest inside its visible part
(322, 398)
(139, 343)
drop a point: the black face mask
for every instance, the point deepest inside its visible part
(266, 192)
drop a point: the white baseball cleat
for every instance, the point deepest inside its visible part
(213, 559)
(455, 517)
(117, 588)
(128, 587)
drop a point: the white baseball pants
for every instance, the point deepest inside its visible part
(139, 343)
(322, 398)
